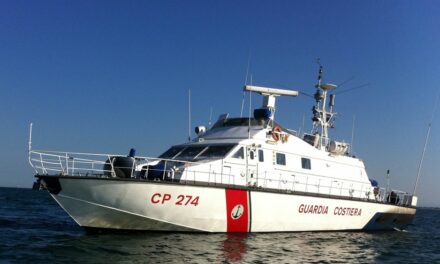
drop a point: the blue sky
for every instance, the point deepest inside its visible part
(105, 76)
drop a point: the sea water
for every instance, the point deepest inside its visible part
(34, 229)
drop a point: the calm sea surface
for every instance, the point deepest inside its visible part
(34, 229)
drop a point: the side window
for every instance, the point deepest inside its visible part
(260, 155)
(239, 154)
(251, 154)
(281, 159)
(306, 164)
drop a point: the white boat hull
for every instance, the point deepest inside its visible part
(163, 206)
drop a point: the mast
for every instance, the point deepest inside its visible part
(323, 118)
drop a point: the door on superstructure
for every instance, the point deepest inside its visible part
(234, 167)
(252, 166)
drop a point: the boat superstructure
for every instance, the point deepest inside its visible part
(240, 175)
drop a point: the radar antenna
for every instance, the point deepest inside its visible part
(269, 96)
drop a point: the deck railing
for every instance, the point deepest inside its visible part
(69, 163)
(185, 172)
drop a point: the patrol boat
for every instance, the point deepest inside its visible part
(240, 175)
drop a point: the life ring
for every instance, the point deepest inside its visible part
(276, 133)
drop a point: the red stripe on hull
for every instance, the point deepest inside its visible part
(237, 210)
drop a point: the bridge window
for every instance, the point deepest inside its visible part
(251, 154)
(281, 159)
(215, 151)
(260, 155)
(198, 152)
(239, 154)
(306, 164)
(190, 152)
(172, 152)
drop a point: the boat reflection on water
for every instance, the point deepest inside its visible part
(234, 246)
(303, 247)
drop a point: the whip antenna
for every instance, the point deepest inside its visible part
(30, 137)
(250, 109)
(426, 144)
(210, 116)
(189, 114)
(245, 83)
(352, 134)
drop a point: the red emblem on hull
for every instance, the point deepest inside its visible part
(237, 210)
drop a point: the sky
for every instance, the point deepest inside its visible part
(106, 76)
